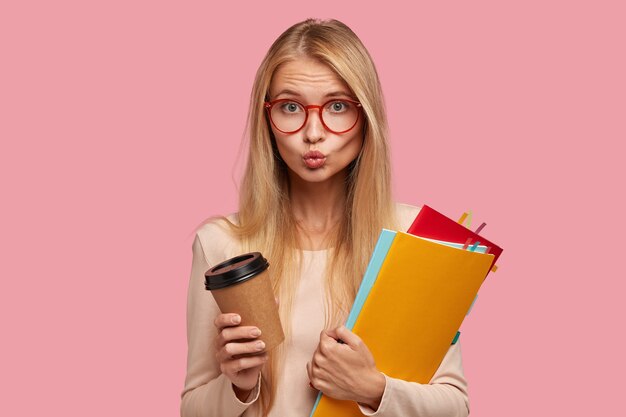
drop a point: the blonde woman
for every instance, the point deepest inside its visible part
(315, 194)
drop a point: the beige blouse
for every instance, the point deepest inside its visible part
(208, 393)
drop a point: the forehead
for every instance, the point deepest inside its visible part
(307, 78)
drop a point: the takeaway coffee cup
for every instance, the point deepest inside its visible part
(242, 285)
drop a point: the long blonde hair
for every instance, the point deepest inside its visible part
(265, 219)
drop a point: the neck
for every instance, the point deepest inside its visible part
(318, 206)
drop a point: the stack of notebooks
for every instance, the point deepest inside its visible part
(428, 279)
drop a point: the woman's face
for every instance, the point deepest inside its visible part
(314, 154)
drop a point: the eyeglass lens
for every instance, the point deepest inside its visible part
(338, 115)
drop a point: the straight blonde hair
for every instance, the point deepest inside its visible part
(265, 219)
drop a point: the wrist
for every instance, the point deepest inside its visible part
(241, 394)
(373, 390)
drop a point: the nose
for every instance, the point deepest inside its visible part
(314, 130)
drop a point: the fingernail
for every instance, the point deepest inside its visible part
(255, 333)
(236, 319)
(260, 346)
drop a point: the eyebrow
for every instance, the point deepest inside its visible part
(329, 94)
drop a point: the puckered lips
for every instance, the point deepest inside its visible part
(314, 159)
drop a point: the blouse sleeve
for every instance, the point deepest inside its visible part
(207, 392)
(444, 396)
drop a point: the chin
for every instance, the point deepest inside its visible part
(317, 175)
(313, 176)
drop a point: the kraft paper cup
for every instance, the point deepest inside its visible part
(242, 285)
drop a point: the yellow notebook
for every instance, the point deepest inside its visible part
(412, 313)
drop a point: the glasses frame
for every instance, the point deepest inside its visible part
(269, 104)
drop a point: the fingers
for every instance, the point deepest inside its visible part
(231, 350)
(320, 360)
(338, 334)
(226, 320)
(230, 334)
(309, 371)
(331, 333)
(234, 340)
(317, 376)
(348, 337)
(235, 366)
(240, 356)
(327, 342)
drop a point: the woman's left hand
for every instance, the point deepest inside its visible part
(346, 371)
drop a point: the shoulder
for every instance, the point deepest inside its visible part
(217, 239)
(406, 213)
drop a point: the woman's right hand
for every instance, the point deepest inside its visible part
(241, 357)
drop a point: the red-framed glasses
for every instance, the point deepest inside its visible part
(338, 115)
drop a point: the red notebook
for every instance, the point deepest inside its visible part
(431, 224)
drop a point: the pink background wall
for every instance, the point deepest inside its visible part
(120, 123)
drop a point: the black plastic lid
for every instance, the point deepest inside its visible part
(235, 270)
